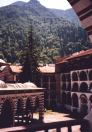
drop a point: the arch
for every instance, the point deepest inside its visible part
(83, 107)
(90, 104)
(36, 108)
(68, 98)
(64, 86)
(63, 98)
(68, 77)
(7, 113)
(19, 110)
(69, 86)
(83, 87)
(90, 75)
(90, 98)
(90, 87)
(63, 78)
(83, 75)
(83, 99)
(75, 87)
(74, 76)
(75, 102)
(29, 105)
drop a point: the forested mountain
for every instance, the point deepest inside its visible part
(69, 15)
(53, 35)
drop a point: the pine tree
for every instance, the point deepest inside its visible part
(30, 68)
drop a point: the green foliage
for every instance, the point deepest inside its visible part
(53, 36)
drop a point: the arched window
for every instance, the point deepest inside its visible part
(74, 76)
(83, 75)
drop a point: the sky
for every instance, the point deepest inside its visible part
(57, 4)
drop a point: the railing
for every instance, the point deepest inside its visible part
(48, 126)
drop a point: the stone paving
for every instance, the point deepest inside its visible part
(50, 116)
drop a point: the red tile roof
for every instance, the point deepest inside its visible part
(73, 56)
(47, 69)
(16, 69)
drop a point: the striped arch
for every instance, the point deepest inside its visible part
(83, 9)
(37, 102)
(29, 105)
(19, 106)
(7, 113)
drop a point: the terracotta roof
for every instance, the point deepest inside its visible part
(16, 69)
(47, 69)
(75, 55)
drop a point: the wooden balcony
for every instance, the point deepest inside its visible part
(46, 127)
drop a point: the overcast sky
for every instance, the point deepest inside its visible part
(57, 4)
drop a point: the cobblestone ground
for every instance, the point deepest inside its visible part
(50, 116)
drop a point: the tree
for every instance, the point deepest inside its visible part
(30, 68)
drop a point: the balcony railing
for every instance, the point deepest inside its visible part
(84, 126)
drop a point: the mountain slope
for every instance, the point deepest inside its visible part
(67, 14)
(53, 34)
(35, 7)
